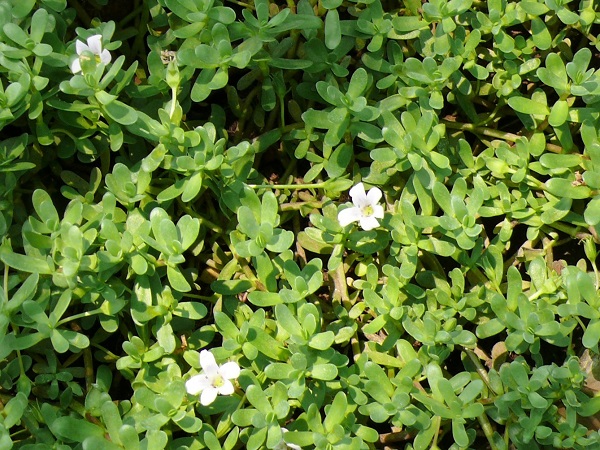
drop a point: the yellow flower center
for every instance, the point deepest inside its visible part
(367, 210)
(218, 381)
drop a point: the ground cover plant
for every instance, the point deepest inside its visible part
(305, 224)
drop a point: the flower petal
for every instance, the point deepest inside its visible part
(80, 47)
(76, 66)
(368, 223)
(95, 44)
(374, 196)
(359, 197)
(226, 388)
(209, 395)
(197, 384)
(105, 56)
(230, 370)
(349, 215)
(378, 211)
(208, 363)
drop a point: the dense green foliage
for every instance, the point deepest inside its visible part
(171, 175)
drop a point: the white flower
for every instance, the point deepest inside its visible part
(285, 446)
(94, 45)
(366, 211)
(214, 380)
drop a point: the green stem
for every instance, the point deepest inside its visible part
(488, 430)
(245, 5)
(173, 102)
(246, 112)
(289, 186)
(203, 221)
(299, 205)
(5, 286)
(534, 182)
(596, 274)
(480, 369)
(13, 326)
(432, 262)
(133, 14)
(247, 270)
(340, 294)
(210, 299)
(88, 364)
(571, 231)
(140, 39)
(493, 133)
(81, 13)
(79, 316)
(110, 354)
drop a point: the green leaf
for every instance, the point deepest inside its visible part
(120, 112)
(231, 287)
(557, 211)
(528, 106)
(559, 113)
(258, 399)
(243, 417)
(177, 280)
(25, 292)
(269, 209)
(324, 372)
(540, 34)
(591, 337)
(287, 320)
(60, 307)
(576, 69)
(592, 212)
(279, 371)
(156, 440)
(95, 442)
(74, 429)
(225, 325)
(22, 8)
(267, 345)
(281, 241)
(336, 412)
(554, 74)
(379, 378)
(322, 341)
(460, 434)
(358, 83)
(333, 30)
(191, 310)
(262, 299)
(188, 228)
(490, 328)
(75, 339)
(24, 263)
(45, 209)
(336, 164)
(247, 222)
(112, 420)
(562, 187)
(561, 160)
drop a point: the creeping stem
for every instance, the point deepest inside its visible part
(498, 134)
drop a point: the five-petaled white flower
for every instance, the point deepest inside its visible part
(284, 445)
(94, 45)
(214, 380)
(366, 211)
